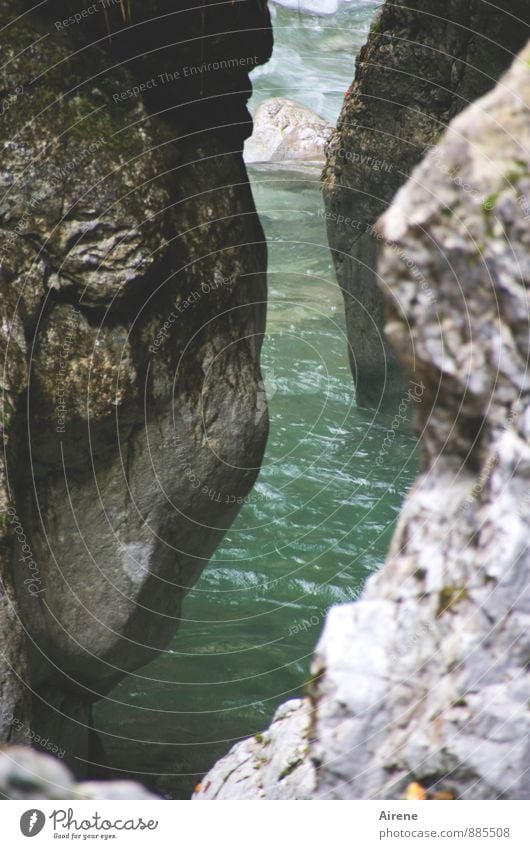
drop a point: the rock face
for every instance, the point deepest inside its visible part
(426, 678)
(285, 131)
(416, 72)
(273, 765)
(133, 299)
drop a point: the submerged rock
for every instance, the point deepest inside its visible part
(416, 72)
(285, 131)
(425, 680)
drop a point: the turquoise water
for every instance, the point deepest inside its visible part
(322, 513)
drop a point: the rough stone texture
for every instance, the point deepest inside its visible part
(132, 285)
(285, 131)
(426, 678)
(419, 68)
(26, 774)
(273, 765)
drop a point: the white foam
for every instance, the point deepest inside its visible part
(315, 7)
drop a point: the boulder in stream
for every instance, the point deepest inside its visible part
(285, 131)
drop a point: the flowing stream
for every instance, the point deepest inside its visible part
(321, 515)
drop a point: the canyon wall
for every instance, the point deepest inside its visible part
(420, 67)
(133, 297)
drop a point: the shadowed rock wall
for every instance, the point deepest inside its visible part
(133, 294)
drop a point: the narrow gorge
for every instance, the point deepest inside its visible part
(195, 493)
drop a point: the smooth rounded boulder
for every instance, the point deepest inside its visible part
(285, 131)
